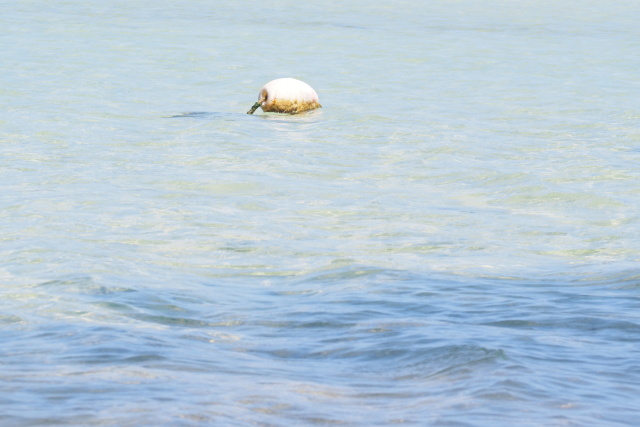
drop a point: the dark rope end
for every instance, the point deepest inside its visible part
(254, 108)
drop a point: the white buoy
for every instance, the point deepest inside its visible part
(287, 95)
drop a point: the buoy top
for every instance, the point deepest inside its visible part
(286, 95)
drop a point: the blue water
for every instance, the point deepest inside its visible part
(453, 240)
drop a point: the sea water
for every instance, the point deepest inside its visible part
(453, 239)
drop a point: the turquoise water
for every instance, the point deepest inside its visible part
(452, 240)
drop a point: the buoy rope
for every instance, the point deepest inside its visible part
(254, 108)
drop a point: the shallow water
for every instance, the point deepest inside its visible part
(452, 240)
